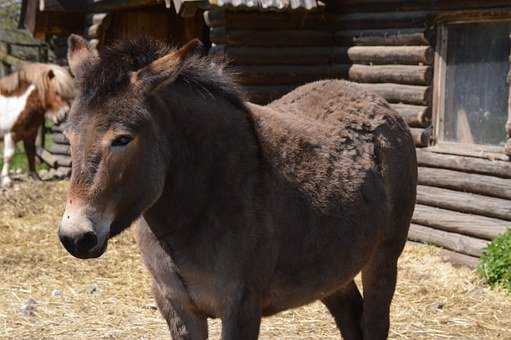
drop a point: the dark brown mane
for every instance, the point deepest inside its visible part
(111, 73)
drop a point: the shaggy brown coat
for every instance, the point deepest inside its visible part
(248, 210)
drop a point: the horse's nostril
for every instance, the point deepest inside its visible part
(87, 241)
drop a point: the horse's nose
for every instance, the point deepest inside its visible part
(78, 243)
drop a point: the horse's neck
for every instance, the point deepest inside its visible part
(11, 108)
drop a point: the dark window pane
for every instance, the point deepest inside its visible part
(476, 89)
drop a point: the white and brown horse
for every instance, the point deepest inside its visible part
(26, 96)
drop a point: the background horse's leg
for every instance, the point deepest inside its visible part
(346, 307)
(9, 149)
(183, 324)
(30, 150)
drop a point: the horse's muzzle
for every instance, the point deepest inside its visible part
(78, 235)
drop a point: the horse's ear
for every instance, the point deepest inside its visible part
(167, 67)
(50, 74)
(79, 52)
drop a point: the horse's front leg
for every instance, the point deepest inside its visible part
(183, 323)
(9, 149)
(30, 150)
(243, 318)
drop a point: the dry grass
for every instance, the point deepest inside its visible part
(111, 298)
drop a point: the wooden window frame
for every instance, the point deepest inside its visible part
(439, 89)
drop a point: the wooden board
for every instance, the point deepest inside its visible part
(466, 164)
(271, 38)
(287, 74)
(384, 37)
(396, 93)
(452, 241)
(458, 259)
(421, 137)
(414, 115)
(460, 223)
(274, 55)
(407, 55)
(400, 74)
(461, 181)
(464, 202)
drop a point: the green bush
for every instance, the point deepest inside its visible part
(495, 265)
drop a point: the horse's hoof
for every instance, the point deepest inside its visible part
(6, 182)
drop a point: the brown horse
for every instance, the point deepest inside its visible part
(25, 97)
(247, 210)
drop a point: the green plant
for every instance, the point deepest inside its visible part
(495, 265)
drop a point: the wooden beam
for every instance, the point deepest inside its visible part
(400, 74)
(266, 94)
(414, 115)
(297, 37)
(459, 243)
(462, 181)
(461, 223)
(463, 163)
(458, 259)
(464, 202)
(421, 137)
(408, 55)
(9, 59)
(272, 55)
(396, 93)
(46, 157)
(384, 37)
(287, 74)
(381, 20)
(59, 149)
(59, 138)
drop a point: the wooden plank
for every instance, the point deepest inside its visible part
(421, 137)
(461, 223)
(407, 55)
(458, 259)
(59, 138)
(46, 157)
(464, 202)
(287, 74)
(382, 20)
(490, 152)
(466, 182)
(400, 74)
(414, 115)
(9, 59)
(221, 36)
(459, 243)
(463, 163)
(397, 93)
(384, 37)
(266, 94)
(271, 55)
(59, 149)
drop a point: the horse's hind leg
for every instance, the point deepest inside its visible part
(30, 150)
(183, 324)
(346, 306)
(9, 149)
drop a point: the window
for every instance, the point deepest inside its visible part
(472, 103)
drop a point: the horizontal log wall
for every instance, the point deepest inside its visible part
(273, 53)
(391, 53)
(462, 203)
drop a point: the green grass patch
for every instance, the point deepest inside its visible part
(495, 265)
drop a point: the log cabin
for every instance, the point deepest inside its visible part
(441, 64)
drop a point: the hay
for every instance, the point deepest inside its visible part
(47, 294)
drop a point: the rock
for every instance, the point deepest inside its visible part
(56, 293)
(29, 307)
(92, 289)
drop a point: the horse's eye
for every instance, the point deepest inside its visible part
(122, 140)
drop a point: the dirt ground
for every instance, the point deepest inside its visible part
(47, 294)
